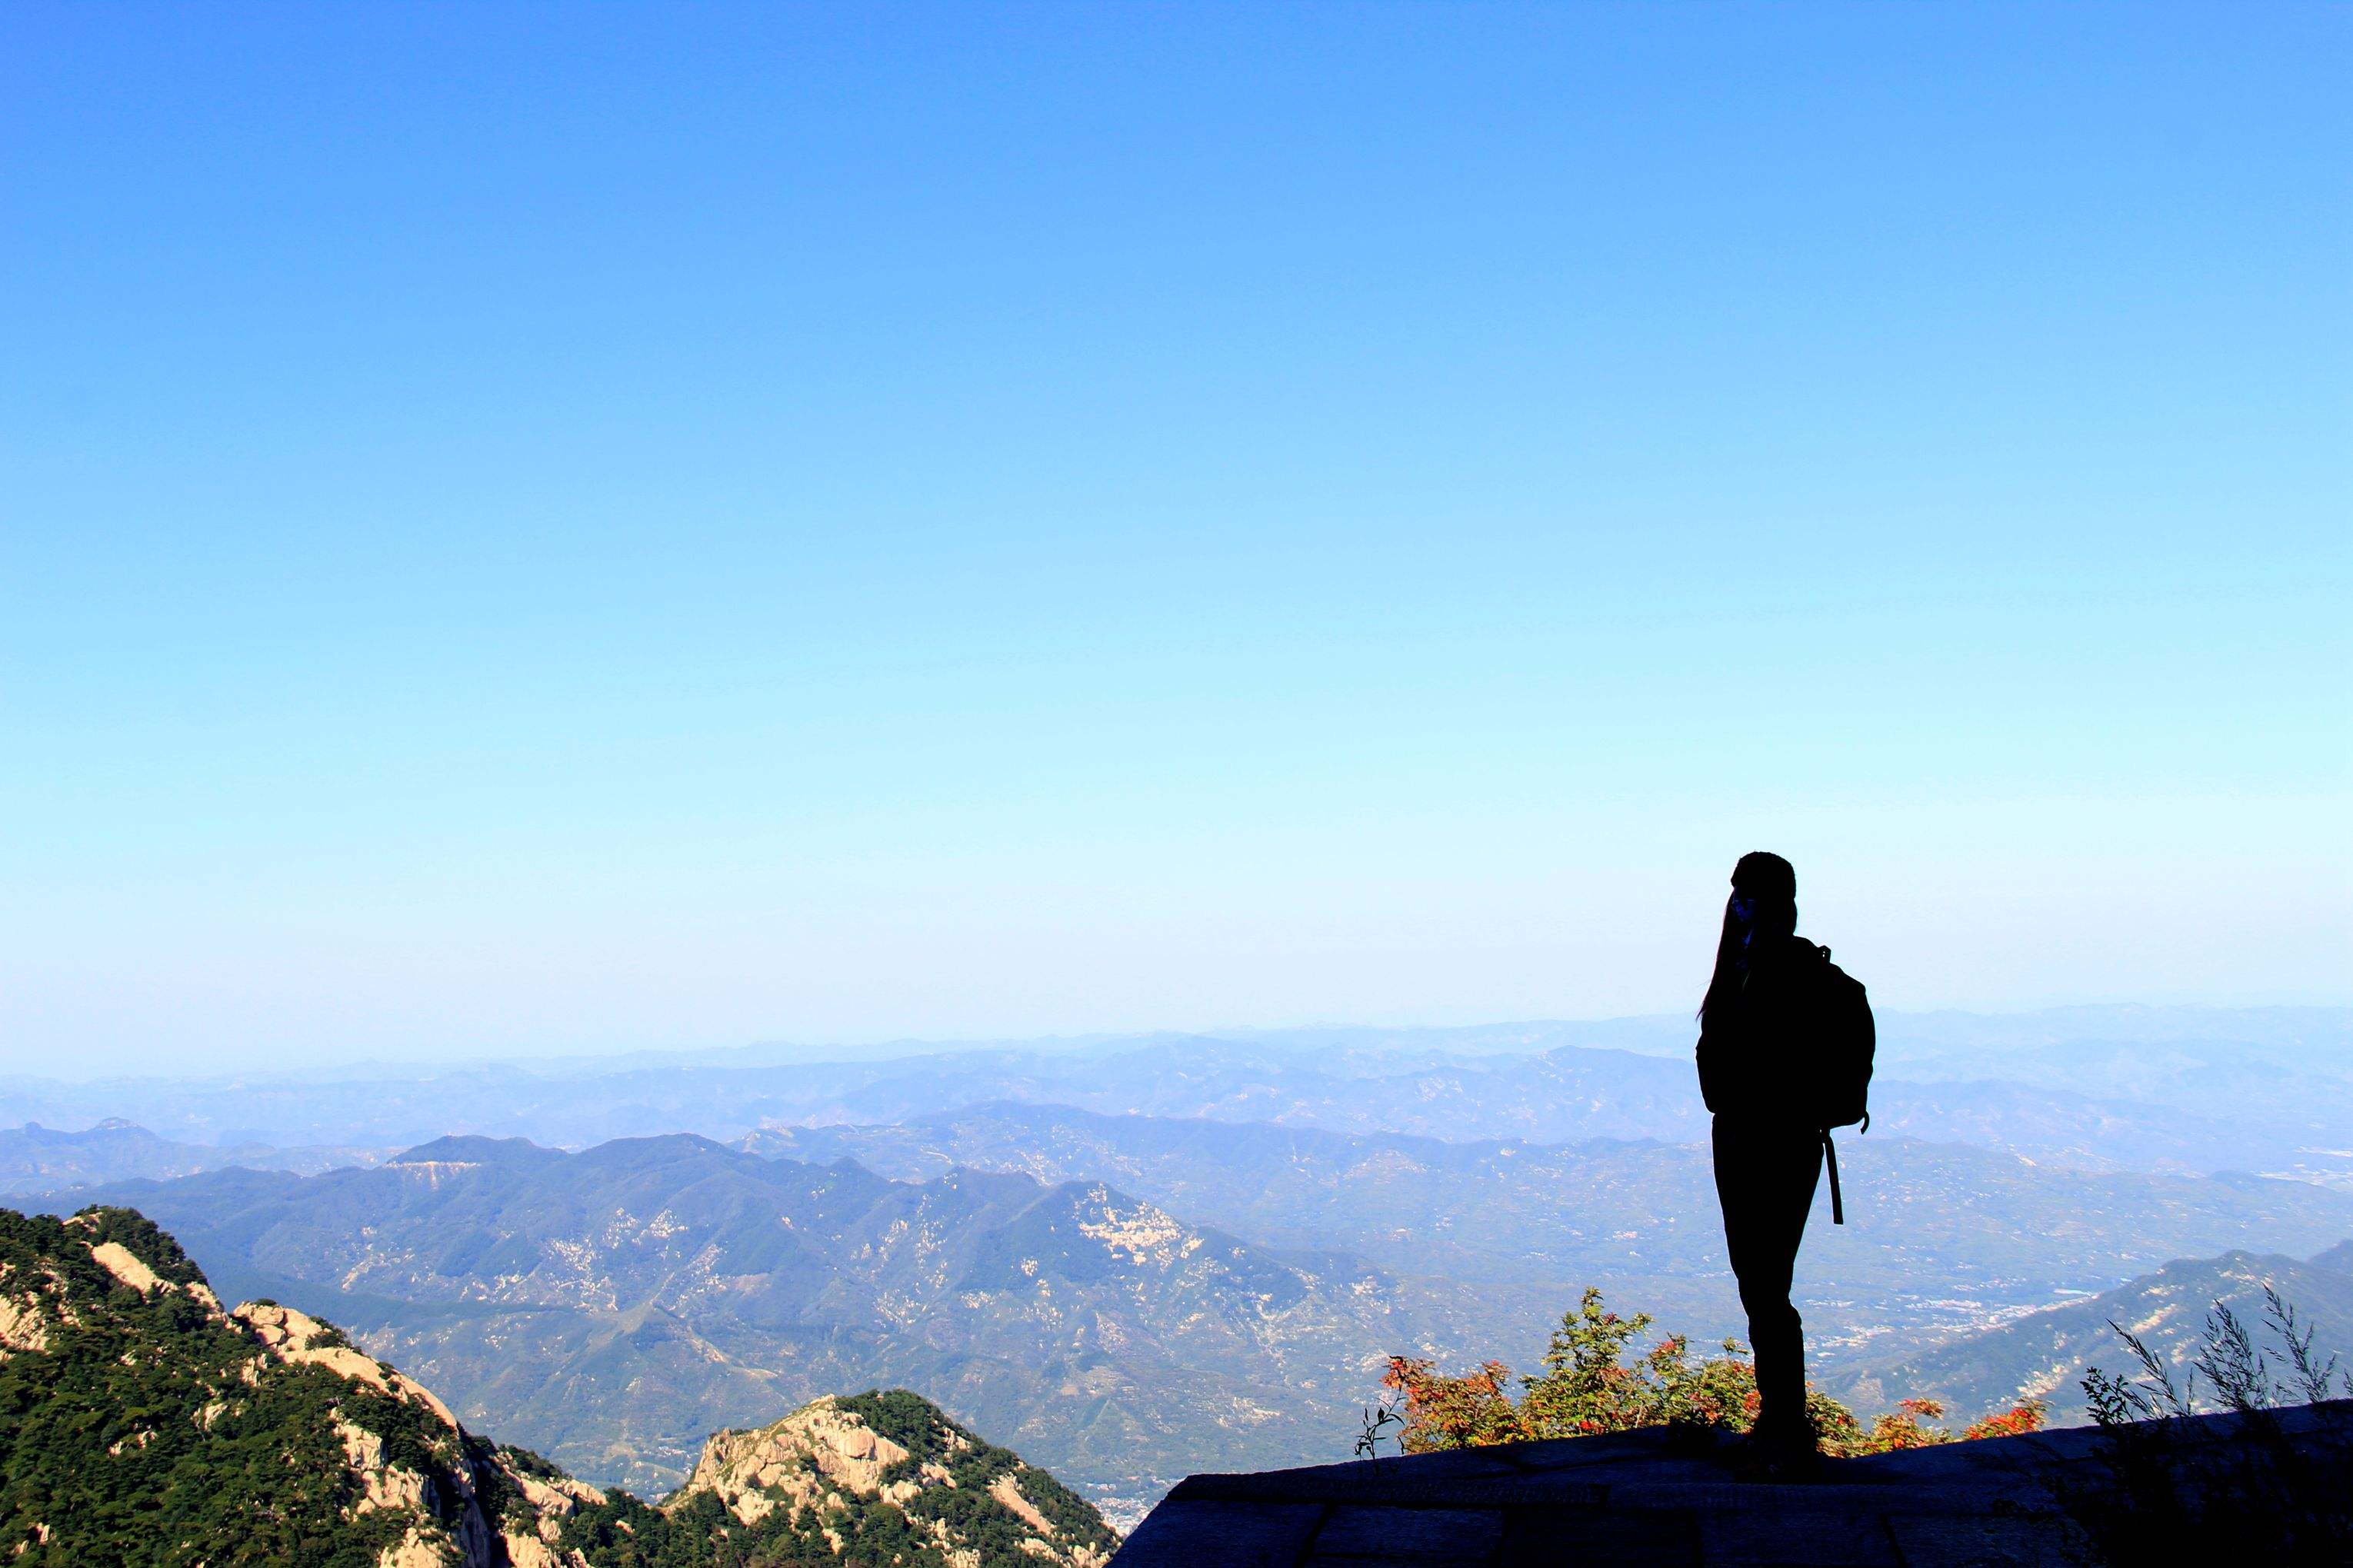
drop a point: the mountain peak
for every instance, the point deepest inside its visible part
(473, 1148)
(915, 1471)
(95, 1310)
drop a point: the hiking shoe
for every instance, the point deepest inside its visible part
(1773, 1454)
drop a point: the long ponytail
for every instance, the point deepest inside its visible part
(1776, 917)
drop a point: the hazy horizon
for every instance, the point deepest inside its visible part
(1659, 1034)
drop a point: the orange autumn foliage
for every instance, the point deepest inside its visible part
(1589, 1386)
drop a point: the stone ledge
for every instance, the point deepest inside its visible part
(1643, 1498)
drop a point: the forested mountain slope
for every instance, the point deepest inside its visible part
(141, 1423)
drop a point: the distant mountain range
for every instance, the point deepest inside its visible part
(1141, 1257)
(37, 1159)
(1929, 1222)
(1081, 1282)
(148, 1424)
(2107, 1088)
(611, 1307)
(2045, 1354)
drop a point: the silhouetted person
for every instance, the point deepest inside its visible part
(1778, 1047)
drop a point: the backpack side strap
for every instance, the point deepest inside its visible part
(1838, 1206)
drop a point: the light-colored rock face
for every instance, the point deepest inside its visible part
(280, 1328)
(363, 1450)
(559, 1497)
(22, 1325)
(126, 1266)
(796, 1457)
(821, 1455)
(414, 1550)
(415, 1393)
(397, 1489)
(117, 1259)
(840, 1444)
(531, 1551)
(299, 1337)
(431, 1173)
(1008, 1492)
(286, 1335)
(1141, 1234)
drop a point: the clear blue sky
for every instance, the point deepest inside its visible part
(534, 528)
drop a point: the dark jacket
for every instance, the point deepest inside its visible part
(1757, 1047)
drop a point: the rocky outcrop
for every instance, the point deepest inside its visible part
(816, 1450)
(471, 1506)
(116, 1316)
(185, 1432)
(977, 1505)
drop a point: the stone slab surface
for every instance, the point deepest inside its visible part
(1643, 1498)
(1244, 1535)
(1410, 1534)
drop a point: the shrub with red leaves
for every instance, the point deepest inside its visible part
(1590, 1385)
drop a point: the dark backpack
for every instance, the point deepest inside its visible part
(1845, 1042)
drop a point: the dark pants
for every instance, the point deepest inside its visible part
(1765, 1178)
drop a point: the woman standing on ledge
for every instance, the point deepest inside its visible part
(1758, 1056)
